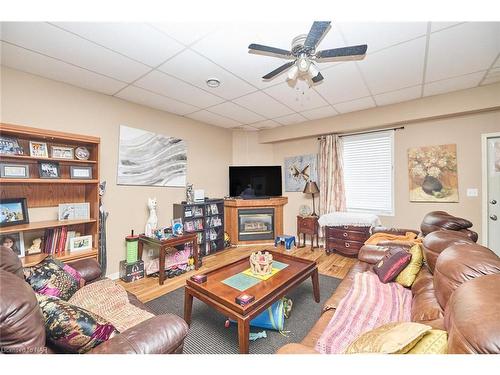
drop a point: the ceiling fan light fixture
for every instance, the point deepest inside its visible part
(293, 73)
(313, 70)
(213, 83)
(303, 64)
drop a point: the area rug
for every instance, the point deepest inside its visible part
(207, 334)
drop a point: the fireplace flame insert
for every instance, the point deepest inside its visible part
(256, 224)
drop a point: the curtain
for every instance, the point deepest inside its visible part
(331, 175)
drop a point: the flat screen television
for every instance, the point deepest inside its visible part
(255, 181)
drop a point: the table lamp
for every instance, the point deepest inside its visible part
(311, 188)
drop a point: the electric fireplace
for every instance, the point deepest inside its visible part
(256, 224)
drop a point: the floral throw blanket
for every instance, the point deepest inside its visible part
(368, 305)
(109, 300)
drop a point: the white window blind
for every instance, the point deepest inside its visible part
(368, 172)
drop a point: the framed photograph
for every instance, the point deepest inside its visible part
(13, 211)
(14, 170)
(80, 173)
(38, 149)
(82, 153)
(74, 211)
(13, 241)
(10, 146)
(49, 170)
(80, 243)
(60, 152)
(177, 227)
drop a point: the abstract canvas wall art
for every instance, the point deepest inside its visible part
(433, 173)
(150, 159)
(299, 170)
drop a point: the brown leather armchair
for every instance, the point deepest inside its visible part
(22, 328)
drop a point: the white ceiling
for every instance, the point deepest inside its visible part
(166, 65)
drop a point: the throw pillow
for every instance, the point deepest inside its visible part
(51, 277)
(395, 260)
(392, 338)
(434, 342)
(407, 276)
(71, 328)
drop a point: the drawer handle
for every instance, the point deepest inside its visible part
(346, 227)
(347, 244)
(345, 234)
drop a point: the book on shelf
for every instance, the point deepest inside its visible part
(55, 240)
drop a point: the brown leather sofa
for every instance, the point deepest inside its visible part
(22, 328)
(457, 290)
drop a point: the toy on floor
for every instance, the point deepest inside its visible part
(257, 335)
(286, 240)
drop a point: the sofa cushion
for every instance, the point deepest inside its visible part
(71, 328)
(53, 278)
(395, 260)
(433, 342)
(459, 263)
(10, 262)
(425, 308)
(391, 338)
(435, 242)
(438, 220)
(407, 276)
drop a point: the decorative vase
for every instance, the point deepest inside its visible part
(431, 184)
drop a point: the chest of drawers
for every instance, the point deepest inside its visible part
(345, 239)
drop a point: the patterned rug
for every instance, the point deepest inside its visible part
(207, 334)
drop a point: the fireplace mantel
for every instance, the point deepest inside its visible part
(231, 207)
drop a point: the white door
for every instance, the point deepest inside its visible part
(493, 192)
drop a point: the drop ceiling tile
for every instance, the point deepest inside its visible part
(140, 96)
(247, 128)
(317, 113)
(138, 41)
(189, 66)
(186, 32)
(266, 124)
(263, 104)
(235, 112)
(214, 119)
(290, 119)
(34, 63)
(436, 26)
(462, 49)
(299, 97)
(453, 84)
(491, 79)
(398, 96)
(497, 63)
(165, 85)
(54, 42)
(395, 68)
(355, 105)
(378, 35)
(342, 83)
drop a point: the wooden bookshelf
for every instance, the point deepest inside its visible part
(45, 192)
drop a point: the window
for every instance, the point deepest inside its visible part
(368, 172)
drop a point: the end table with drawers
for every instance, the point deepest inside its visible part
(345, 239)
(308, 225)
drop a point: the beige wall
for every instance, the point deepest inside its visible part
(463, 130)
(33, 101)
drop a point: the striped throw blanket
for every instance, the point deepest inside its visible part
(368, 305)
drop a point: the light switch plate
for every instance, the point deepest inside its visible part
(472, 192)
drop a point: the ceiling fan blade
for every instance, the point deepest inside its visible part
(277, 71)
(317, 32)
(344, 53)
(318, 78)
(266, 50)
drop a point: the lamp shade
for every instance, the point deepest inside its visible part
(311, 188)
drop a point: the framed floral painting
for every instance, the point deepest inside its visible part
(433, 173)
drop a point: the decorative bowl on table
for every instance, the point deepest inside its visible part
(261, 264)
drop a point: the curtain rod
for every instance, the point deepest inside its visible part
(363, 132)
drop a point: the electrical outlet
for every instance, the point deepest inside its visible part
(150, 253)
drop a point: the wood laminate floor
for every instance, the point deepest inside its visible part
(148, 288)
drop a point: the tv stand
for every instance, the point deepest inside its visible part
(256, 197)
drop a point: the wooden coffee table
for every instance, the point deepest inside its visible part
(222, 297)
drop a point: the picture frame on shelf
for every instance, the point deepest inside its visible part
(80, 243)
(8, 170)
(33, 242)
(177, 227)
(73, 211)
(10, 146)
(49, 169)
(80, 173)
(62, 152)
(14, 241)
(82, 153)
(13, 211)
(38, 149)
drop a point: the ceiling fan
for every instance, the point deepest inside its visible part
(304, 54)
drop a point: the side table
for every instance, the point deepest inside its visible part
(308, 225)
(163, 245)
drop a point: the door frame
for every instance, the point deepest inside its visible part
(484, 185)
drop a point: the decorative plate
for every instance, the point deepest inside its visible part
(305, 210)
(82, 153)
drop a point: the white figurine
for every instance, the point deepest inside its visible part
(152, 222)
